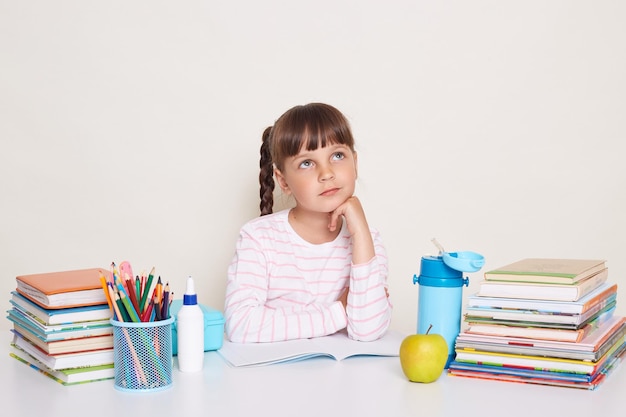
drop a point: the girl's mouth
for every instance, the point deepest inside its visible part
(330, 192)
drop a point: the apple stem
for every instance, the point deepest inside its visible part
(429, 327)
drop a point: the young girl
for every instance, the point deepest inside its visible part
(317, 268)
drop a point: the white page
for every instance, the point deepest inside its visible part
(337, 346)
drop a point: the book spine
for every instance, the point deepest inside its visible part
(601, 298)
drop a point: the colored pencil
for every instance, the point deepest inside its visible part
(105, 288)
(146, 290)
(123, 314)
(166, 302)
(116, 310)
(129, 308)
(132, 296)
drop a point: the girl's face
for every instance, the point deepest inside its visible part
(320, 180)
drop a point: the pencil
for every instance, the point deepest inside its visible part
(137, 292)
(142, 286)
(129, 308)
(169, 305)
(105, 288)
(157, 310)
(116, 310)
(146, 290)
(153, 314)
(119, 285)
(166, 302)
(114, 274)
(131, 292)
(159, 289)
(121, 310)
(146, 314)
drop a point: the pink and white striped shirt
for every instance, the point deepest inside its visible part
(281, 287)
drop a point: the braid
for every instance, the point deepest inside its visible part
(266, 176)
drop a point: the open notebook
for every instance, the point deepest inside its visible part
(337, 346)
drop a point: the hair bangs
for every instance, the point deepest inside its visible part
(311, 126)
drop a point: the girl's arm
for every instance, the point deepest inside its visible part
(368, 307)
(249, 319)
(367, 304)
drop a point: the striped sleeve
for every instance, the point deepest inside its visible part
(369, 308)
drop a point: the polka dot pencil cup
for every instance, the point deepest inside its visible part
(142, 355)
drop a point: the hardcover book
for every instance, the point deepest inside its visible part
(64, 289)
(580, 306)
(543, 291)
(60, 331)
(591, 347)
(538, 318)
(65, 360)
(539, 332)
(530, 362)
(547, 271)
(74, 345)
(537, 376)
(69, 376)
(50, 317)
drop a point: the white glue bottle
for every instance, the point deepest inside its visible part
(190, 332)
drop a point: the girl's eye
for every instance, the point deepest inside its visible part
(337, 156)
(306, 164)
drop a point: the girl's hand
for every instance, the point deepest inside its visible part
(353, 213)
(354, 216)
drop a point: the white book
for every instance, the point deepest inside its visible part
(537, 291)
(564, 307)
(337, 346)
(532, 317)
(65, 376)
(67, 360)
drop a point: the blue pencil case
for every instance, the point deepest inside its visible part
(213, 327)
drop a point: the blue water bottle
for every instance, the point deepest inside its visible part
(440, 298)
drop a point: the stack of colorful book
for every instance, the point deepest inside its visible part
(542, 321)
(61, 325)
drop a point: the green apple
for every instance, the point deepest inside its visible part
(423, 356)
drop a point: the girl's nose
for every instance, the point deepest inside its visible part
(326, 173)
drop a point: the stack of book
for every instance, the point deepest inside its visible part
(61, 325)
(542, 321)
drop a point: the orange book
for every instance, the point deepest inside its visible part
(65, 289)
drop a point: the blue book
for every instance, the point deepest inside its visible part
(23, 322)
(61, 315)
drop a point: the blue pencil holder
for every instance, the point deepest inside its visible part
(142, 355)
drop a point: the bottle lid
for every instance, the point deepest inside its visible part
(465, 261)
(435, 273)
(190, 297)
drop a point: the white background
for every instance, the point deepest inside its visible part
(130, 129)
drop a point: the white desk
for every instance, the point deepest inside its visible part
(318, 387)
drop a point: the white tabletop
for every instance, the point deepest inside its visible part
(362, 386)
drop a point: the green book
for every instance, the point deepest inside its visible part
(547, 270)
(69, 376)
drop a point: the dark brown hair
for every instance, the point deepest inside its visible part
(308, 126)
